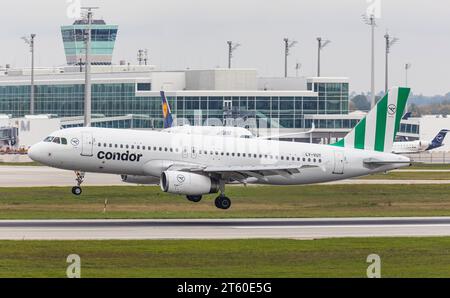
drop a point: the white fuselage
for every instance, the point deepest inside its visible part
(410, 147)
(149, 153)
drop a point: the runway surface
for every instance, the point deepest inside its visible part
(24, 176)
(223, 229)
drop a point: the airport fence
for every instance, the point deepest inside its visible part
(440, 157)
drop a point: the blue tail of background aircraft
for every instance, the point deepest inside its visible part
(438, 140)
(167, 114)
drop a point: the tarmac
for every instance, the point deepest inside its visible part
(223, 229)
(30, 176)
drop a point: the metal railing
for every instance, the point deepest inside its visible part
(440, 157)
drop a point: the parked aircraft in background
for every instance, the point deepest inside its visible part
(420, 145)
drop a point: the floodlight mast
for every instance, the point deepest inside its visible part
(288, 45)
(370, 20)
(298, 66)
(389, 43)
(407, 67)
(87, 85)
(231, 48)
(30, 42)
(321, 45)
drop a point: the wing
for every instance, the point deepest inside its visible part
(241, 173)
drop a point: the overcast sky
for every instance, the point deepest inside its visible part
(193, 33)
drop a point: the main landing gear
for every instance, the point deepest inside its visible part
(222, 201)
(76, 190)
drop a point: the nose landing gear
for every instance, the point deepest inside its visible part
(76, 190)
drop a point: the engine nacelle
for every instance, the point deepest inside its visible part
(140, 179)
(189, 184)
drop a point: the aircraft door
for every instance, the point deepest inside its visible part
(339, 158)
(87, 147)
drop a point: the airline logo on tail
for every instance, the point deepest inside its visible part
(438, 140)
(378, 129)
(167, 114)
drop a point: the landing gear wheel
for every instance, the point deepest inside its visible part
(223, 202)
(76, 190)
(194, 199)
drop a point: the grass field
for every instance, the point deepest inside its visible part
(400, 257)
(430, 166)
(253, 201)
(435, 175)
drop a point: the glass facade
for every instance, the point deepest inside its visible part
(410, 128)
(103, 38)
(120, 99)
(333, 97)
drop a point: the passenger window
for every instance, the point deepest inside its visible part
(127, 146)
(64, 141)
(121, 146)
(132, 146)
(138, 147)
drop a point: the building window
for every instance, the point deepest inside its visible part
(144, 87)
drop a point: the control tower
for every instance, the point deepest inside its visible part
(102, 45)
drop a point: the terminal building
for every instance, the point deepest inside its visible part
(128, 96)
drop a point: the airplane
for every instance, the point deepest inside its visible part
(420, 145)
(226, 131)
(198, 165)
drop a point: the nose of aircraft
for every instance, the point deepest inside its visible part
(35, 152)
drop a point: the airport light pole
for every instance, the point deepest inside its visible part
(407, 67)
(87, 68)
(370, 20)
(389, 43)
(30, 42)
(298, 66)
(231, 48)
(288, 45)
(321, 45)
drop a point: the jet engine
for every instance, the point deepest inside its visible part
(140, 179)
(189, 184)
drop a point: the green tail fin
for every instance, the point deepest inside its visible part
(378, 129)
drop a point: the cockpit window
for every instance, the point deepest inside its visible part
(56, 140)
(64, 141)
(48, 139)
